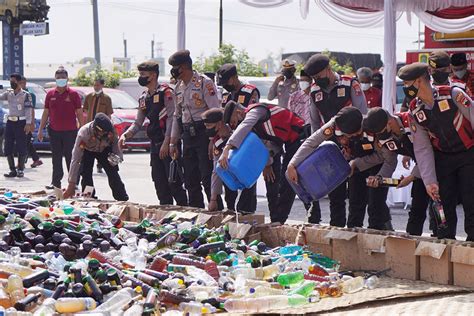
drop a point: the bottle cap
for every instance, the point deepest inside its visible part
(138, 289)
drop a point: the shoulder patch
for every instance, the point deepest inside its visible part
(210, 88)
(328, 132)
(462, 99)
(246, 89)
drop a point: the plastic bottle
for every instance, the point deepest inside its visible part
(316, 269)
(291, 278)
(47, 308)
(173, 284)
(306, 289)
(4, 298)
(119, 299)
(306, 263)
(372, 282)
(353, 285)
(159, 264)
(22, 271)
(195, 308)
(27, 302)
(263, 304)
(188, 262)
(270, 271)
(261, 291)
(290, 250)
(136, 309)
(15, 288)
(74, 304)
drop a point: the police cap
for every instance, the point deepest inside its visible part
(288, 63)
(439, 59)
(102, 123)
(349, 120)
(376, 120)
(228, 110)
(412, 71)
(149, 65)
(225, 72)
(458, 59)
(213, 115)
(180, 57)
(316, 64)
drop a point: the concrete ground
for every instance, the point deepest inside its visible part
(136, 174)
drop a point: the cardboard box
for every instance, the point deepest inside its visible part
(291, 235)
(462, 257)
(345, 248)
(401, 259)
(134, 213)
(317, 241)
(252, 219)
(269, 234)
(119, 210)
(435, 262)
(371, 251)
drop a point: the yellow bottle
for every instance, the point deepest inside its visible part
(74, 304)
(16, 269)
(15, 288)
(4, 298)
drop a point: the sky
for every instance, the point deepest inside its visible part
(261, 32)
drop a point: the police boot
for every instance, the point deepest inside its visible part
(11, 164)
(21, 166)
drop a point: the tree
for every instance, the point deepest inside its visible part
(346, 68)
(229, 54)
(112, 78)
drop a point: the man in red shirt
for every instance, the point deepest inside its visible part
(373, 95)
(460, 71)
(62, 108)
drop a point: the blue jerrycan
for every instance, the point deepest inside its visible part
(320, 173)
(245, 164)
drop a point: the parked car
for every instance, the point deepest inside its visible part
(263, 85)
(24, 10)
(125, 111)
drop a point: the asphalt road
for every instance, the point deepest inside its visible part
(136, 174)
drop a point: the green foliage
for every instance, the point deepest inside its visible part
(346, 68)
(229, 54)
(112, 78)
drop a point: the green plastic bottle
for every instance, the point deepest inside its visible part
(297, 300)
(305, 289)
(291, 278)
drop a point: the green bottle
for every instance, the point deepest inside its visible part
(297, 300)
(291, 278)
(305, 289)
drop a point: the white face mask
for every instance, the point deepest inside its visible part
(304, 85)
(365, 86)
(98, 92)
(460, 73)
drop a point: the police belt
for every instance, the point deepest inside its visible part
(16, 118)
(198, 125)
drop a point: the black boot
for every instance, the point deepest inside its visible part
(21, 166)
(11, 164)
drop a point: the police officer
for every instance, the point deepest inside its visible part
(393, 137)
(157, 104)
(96, 140)
(220, 133)
(19, 124)
(329, 94)
(443, 143)
(440, 68)
(239, 92)
(460, 71)
(277, 127)
(285, 84)
(195, 94)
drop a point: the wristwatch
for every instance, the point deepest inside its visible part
(172, 145)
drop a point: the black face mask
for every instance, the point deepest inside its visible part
(322, 82)
(440, 76)
(14, 85)
(143, 81)
(211, 132)
(288, 73)
(175, 72)
(229, 87)
(384, 135)
(410, 92)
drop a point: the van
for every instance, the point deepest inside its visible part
(17, 11)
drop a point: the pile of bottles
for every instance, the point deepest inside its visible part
(61, 258)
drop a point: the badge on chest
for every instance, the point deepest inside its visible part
(341, 92)
(420, 116)
(241, 99)
(367, 147)
(391, 145)
(318, 96)
(443, 105)
(156, 98)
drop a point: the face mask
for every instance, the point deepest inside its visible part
(365, 86)
(143, 81)
(211, 132)
(14, 85)
(440, 76)
(410, 91)
(460, 73)
(98, 92)
(287, 73)
(384, 135)
(175, 73)
(323, 82)
(229, 87)
(61, 82)
(304, 85)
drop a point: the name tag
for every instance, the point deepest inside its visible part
(421, 116)
(156, 98)
(341, 92)
(443, 105)
(392, 145)
(367, 146)
(241, 99)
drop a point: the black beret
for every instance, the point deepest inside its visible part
(180, 57)
(316, 64)
(228, 110)
(377, 76)
(412, 71)
(149, 65)
(225, 72)
(213, 115)
(103, 123)
(376, 120)
(349, 120)
(210, 75)
(439, 59)
(458, 59)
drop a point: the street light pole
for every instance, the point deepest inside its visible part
(95, 12)
(220, 24)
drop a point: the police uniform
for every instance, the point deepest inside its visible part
(389, 148)
(20, 107)
(444, 146)
(276, 126)
(283, 89)
(88, 147)
(245, 94)
(325, 104)
(192, 99)
(158, 107)
(441, 59)
(465, 76)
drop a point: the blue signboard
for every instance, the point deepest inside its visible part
(12, 50)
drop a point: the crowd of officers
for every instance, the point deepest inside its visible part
(197, 123)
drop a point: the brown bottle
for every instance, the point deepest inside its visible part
(159, 264)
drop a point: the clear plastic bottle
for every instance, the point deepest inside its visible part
(372, 282)
(140, 261)
(261, 291)
(306, 263)
(263, 304)
(74, 304)
(270, 271)
(15, 288)
(173, 284)
(47, 308)
(4, 298)
(201, 275)
(22, 271)
(136, 309)
(353, 285)
(196, 309)
(119, 299)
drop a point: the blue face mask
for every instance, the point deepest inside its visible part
(61, 82)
